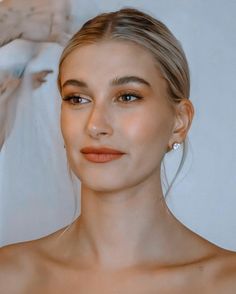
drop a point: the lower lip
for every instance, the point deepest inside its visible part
(102, 157)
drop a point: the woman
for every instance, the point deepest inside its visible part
(124, 84)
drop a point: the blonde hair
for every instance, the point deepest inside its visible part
(129, 24)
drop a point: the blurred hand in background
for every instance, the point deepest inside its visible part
(35, 20)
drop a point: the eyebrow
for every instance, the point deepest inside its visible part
(118, 81)
(129, 79)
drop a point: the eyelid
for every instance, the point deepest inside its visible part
(69, 97)
(117, 96)
(130, 93)
(76, 94)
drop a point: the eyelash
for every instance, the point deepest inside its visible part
(69, 98)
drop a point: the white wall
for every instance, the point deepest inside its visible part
(204, 196)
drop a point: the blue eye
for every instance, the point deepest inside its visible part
(128, 97)
(75, 99)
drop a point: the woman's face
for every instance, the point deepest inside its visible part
(118, 100)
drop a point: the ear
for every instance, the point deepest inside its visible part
(184, 112)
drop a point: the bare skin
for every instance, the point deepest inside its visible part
(126, 240)
(49, 265)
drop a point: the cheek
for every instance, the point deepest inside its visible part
(147, 128)
(69, 126)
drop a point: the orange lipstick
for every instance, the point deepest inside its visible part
(101, 154)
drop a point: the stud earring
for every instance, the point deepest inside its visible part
(175, 146)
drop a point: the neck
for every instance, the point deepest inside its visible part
(124, 228)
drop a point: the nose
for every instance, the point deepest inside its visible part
(99, 123)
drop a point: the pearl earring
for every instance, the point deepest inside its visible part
(175, 146)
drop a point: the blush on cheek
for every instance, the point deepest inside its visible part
(133, 129)
(148, 133)
(142, 128)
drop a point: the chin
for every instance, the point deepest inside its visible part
(102, 182)
(100, 178)
(102, 187)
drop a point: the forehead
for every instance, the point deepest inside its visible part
(108, 59)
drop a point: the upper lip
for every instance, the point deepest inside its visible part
(99, 150)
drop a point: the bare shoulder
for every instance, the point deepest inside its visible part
(15, 267)
(210, 269)
(223, 269)
(22, 264)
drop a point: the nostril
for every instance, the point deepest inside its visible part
(97, 131)
(99, 126)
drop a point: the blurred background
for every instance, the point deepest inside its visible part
(36, 192)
